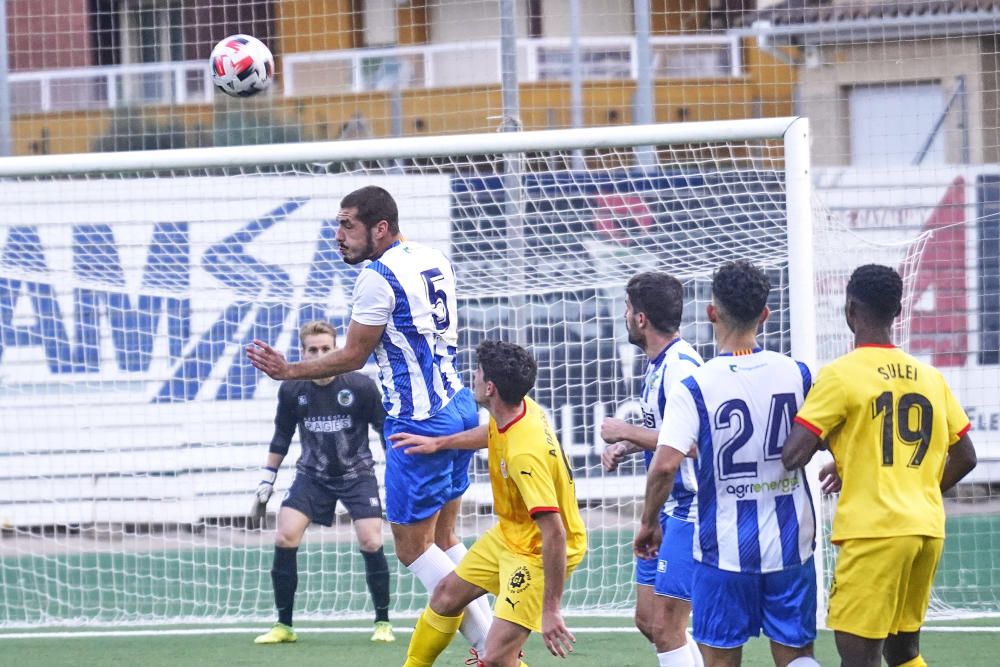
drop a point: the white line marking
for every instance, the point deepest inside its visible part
(84, 634)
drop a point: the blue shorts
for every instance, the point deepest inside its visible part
(418, 485)
(731, 607)
(645, 569)
(675, 566)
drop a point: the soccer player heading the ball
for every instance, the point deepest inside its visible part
(899, 438)
(755, 533)
(539, 538)
(332, 415)
(405, 312)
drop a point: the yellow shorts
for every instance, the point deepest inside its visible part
(882, 586)
(517, 581)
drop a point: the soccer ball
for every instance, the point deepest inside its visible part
(241, 66)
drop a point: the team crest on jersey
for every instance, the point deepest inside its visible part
(520, 580)
(503, 468)
(303, 399)
(345, 397)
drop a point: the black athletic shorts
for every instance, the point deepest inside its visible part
(318, 501)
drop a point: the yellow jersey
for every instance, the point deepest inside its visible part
(530, 474)
(890, 420)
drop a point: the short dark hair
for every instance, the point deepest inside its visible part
(373, 204)
(510, 367)
(660, 296)
(740, 289)
(879, 289)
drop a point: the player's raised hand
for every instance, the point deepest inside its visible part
(614, 430)
(829, 480)
(268, 360)
(647, 541)
(557, 637)
(414, 444)
(613, 455)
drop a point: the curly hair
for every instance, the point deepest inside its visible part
(660, 296)
(373, 204)
(879, 289)
(740, 289)
(511, 368)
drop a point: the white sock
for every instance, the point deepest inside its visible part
(804, 661)
(695, 651)
(431, 567)
(478, 615)
(456, 554)
(679, 657)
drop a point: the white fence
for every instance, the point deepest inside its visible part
(362, 70)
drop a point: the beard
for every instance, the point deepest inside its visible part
(633, 338)
(366, 253)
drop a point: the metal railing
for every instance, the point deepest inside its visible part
(360, 70)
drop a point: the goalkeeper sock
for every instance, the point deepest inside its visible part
(431, 636)
(478, 615)
(377, 576)
(285, 579)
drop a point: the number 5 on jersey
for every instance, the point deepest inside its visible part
(437, 298)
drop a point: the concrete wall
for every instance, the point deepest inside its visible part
(831, 71)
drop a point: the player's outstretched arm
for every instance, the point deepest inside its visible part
(359, 343)
(474, 438)
(961, 460)
(799, 447)
(557, 637)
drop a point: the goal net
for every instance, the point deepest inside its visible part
(134, 428)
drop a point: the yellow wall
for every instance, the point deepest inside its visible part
(317, 25)
(767, 90)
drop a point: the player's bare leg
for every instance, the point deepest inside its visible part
(444, 532)
(722, 657)
(788, 655)
(414, 539)
(857, 651)
(645, 599)
(291, 527)
(504, 643)
(670, 617)
(900, 648)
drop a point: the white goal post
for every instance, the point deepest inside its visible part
(133, 428)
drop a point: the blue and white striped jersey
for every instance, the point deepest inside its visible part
(411, 290)
(674, 363)
(754, 516)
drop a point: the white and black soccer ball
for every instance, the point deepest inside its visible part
(241, 66)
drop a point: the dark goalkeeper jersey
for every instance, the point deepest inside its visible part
(333, 424)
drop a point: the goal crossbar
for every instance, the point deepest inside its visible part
(398, 149)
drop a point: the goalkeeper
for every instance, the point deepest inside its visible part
(332, 415)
